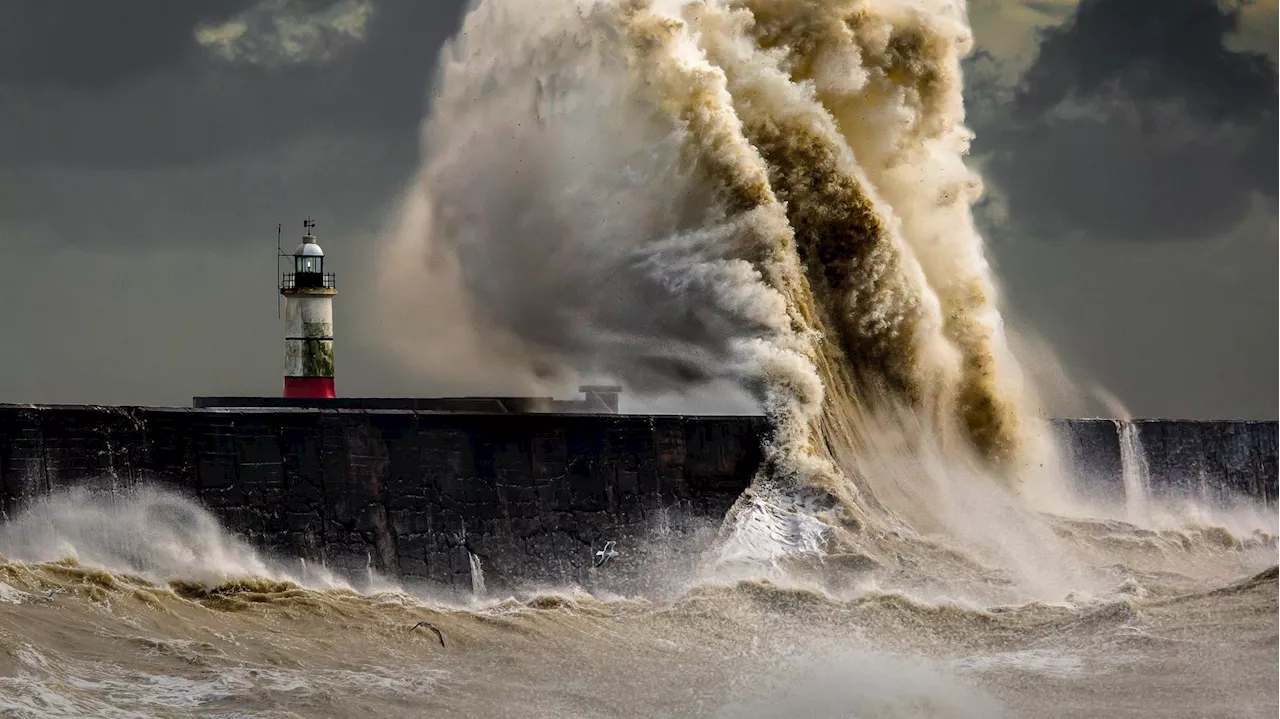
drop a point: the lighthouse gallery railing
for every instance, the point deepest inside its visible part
(308, 281)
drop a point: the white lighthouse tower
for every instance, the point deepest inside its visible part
(308, 321)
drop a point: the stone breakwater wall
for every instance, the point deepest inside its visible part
(464, 501)
(450, 500)
(1217, 462)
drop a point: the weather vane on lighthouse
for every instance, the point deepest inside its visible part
(308, 320)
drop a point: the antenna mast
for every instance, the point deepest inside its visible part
(279, 254)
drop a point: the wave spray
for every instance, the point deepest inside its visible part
(770, 193)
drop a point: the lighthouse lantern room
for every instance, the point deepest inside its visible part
(308, 319)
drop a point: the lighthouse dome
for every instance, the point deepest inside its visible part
(308, 248)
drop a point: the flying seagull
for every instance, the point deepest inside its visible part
(433, 628)
(605, 554)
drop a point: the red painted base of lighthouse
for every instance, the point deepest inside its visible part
(309, 387)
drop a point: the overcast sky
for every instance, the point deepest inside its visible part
(148, 148)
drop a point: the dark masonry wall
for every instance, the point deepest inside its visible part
(1217, 462)
(463, 500)
(429, 497)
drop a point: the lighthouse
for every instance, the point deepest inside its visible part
(308, 321)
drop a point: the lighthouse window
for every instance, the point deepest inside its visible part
(308, 264)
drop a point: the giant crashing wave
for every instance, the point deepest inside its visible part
(771, 193)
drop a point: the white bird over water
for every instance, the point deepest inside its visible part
(605, 554)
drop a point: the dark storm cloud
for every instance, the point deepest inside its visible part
(92, 44)
(119, 126)
(144, 93)
(1152, 51)
(1135, 121)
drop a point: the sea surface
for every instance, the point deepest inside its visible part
(1176, 623)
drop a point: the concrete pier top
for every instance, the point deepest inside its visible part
(596, 399)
